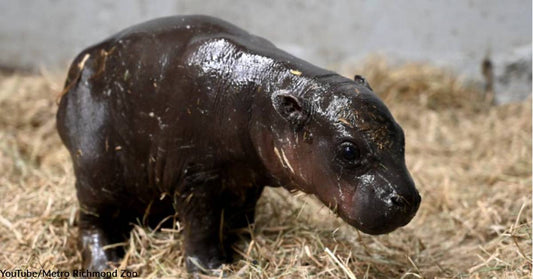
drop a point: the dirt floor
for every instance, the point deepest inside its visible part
(470, 160)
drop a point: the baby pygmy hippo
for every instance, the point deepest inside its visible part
(193, 115)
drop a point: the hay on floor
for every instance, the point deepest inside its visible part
(470, 160)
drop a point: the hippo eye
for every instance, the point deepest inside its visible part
(349, 152)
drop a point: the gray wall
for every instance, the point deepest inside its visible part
(455, 33)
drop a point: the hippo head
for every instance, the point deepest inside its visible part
(339, 142)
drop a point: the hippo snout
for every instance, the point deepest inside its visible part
(406, 203)
(380, 207)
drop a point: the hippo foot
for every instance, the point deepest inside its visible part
(210, 264)
(96, 238)
(95, 256)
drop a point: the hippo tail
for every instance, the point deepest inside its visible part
(74, 73)
(97, 54)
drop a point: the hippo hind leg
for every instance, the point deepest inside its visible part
(95, 233)
(102, 222)
(84, 126)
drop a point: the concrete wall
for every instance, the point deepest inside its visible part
(455, 33)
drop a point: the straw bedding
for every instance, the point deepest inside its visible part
(470, 160)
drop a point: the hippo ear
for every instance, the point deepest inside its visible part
(361, 80)
(290, 107)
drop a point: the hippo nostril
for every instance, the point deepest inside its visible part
(399, 200)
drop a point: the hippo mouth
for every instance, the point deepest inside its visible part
(376, 216)
(385, 224)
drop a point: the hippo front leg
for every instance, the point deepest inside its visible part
(240, 213)
(201, 213)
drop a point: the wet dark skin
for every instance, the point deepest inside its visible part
(190, 115)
